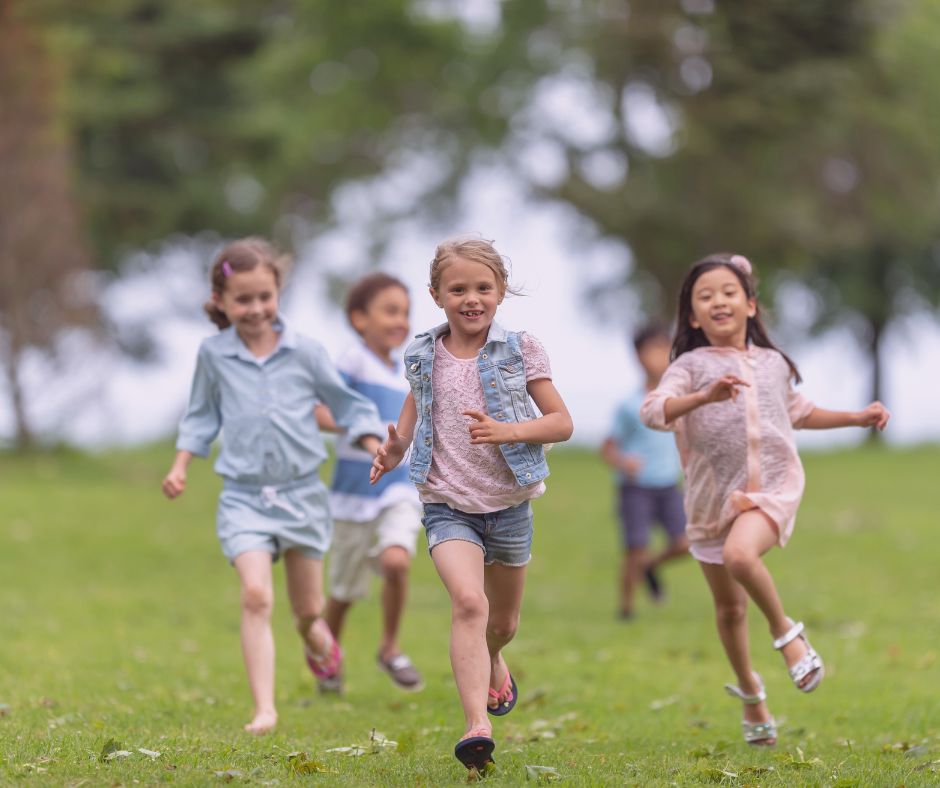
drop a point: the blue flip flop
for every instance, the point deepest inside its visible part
(475, 752)
(505, 706)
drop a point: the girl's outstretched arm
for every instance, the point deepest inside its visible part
(553, 426)
(390, 453)
(875, 415)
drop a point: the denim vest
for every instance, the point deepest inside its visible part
(502, 374)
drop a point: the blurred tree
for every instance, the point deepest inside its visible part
(42, 249)
(802, 134)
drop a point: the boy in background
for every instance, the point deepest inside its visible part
(647, 466)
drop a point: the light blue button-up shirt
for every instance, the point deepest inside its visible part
(266, 408)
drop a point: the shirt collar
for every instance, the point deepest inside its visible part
(496, 333)
(232, 344)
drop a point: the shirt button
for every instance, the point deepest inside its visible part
(500, 415)
(511, 445)
(484, 355)
(427, 441)
(414, 367)
(426, 378)
(528, 475)
(427, 408)
(493, 383)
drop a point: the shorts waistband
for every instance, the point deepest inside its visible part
(293, 484)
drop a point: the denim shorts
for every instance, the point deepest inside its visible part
(504, 536)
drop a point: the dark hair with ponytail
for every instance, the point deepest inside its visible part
(242, 255)
(689, 338)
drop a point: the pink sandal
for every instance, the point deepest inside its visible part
(328, 667)
(506, 697)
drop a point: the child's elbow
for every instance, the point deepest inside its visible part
(566, 428)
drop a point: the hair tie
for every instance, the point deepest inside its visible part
(740, 261)
(226, 268)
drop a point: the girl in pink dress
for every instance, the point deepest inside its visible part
(728, 396)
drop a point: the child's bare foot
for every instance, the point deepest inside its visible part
(499, 680)
(263, 722)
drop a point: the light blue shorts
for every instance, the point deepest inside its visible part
(504, 536)
(275, 518)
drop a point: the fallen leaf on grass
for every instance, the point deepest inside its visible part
(542, 774)
(931, 765)
(229, 774)
(354, 750)
(111, 745)
(300, 763)
(152, 754)
(118, 755)
(377, 743)
(917, 752)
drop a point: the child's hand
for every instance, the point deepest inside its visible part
(487, 430)
(629, 465)
(175, 483)
(725, 387)
(388, 455)
(875, 415)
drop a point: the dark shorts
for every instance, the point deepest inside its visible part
(640, 507)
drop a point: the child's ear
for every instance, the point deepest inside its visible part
(433, 293)
(216, 299)
(693, 322)
(751, 307)
(358, 320)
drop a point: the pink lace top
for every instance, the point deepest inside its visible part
(736, 455)
(472, 477)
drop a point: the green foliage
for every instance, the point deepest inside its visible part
(119, 633)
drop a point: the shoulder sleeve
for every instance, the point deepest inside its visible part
(676, 382)
(798, 407)
(203, 418)
(535, 358)
(351, 410)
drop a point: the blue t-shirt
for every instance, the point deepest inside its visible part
(656, 450)
(351, 496)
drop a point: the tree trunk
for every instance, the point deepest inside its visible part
(877, 330)
(22, 435)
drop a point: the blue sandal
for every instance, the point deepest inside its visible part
(475, 749)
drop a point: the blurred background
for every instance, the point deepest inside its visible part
(605, 145)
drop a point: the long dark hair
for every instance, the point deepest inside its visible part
(688, 338)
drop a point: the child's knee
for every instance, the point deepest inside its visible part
(503, 628)
(257, 599)
(738, 560)
(731, 614)
(395, 563)
(470, 605)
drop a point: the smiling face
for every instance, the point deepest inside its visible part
(721, 308)
(469, 293)
(383, 324)
(249, 300)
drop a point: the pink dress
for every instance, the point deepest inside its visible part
(736, 455)
(472, 477)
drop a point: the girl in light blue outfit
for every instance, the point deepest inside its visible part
(260, 380)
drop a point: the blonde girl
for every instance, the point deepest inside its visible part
(477, 458)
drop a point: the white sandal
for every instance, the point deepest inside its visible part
(758, 734)
(810, 662)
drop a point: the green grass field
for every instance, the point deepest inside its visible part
(119, 632)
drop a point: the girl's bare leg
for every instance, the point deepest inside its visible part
(305, 591)
(460, 566)
(752, 535)
(257, 602)
(633, 564)
(395, 563)
(731, 617)
(504, 586)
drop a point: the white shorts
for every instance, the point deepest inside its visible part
(357, 546)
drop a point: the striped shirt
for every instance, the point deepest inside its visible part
(351, 496)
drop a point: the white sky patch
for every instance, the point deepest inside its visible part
(650, 124)
(574, 107)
